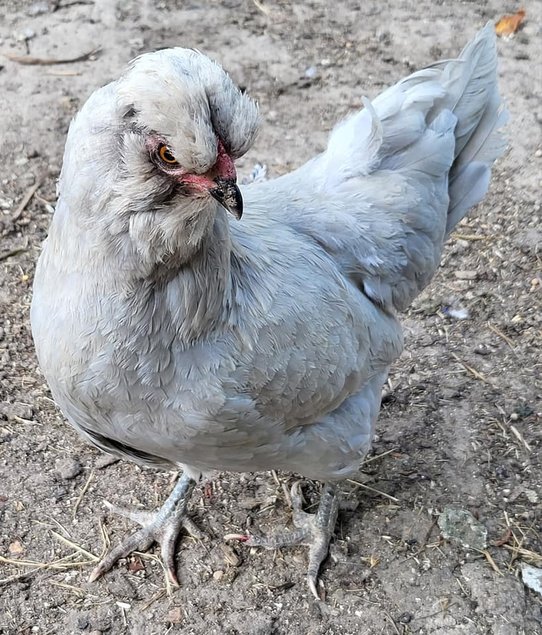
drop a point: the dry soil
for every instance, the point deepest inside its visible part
(460, 427)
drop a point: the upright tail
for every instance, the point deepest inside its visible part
(473, 96)
(400, 174)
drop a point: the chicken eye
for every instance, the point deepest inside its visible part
(166, 155)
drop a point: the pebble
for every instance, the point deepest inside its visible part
(218, 575)
(175, 615)
(105, 460)
(17, 410)
(68, 468)
(82, 622)
(25, 35)
(466, 274)
(460, 526)
(37, 9)
(532, 577)
(230, 556)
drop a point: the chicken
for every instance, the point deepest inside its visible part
(175, 336)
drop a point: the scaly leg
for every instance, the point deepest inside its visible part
(313, 530)
(162, 527)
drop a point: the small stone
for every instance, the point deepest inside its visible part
(466, 274)
(82, 622)
(175, 615)
(68, 468)
(16, 548)
(483, 349)
(16, 411)
(405, 618)
(37, 8)
(105, 460)
(532, 577)
(460, 526)
(230, 556)
(531, 495)
(218, 575)
(25, 35)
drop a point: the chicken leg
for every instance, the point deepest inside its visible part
(162, 527)
(312, 530)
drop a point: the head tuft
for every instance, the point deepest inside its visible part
(189, 100)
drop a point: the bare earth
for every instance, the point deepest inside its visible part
(460, 427)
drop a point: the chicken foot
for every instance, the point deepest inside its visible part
(162, 527)
(312, 530)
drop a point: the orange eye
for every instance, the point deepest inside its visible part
(166, 155)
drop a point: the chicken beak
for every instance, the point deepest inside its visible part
(228, 195)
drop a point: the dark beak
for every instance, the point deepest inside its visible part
(228, 195)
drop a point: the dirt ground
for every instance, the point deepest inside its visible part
(459, 429)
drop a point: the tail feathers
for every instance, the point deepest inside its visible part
(472, 82)
(467, 189)
(407, 122)
(399, 175)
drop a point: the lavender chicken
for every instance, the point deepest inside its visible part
(184, 321)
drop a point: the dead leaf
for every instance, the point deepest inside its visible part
(135, 565)
(509, 24)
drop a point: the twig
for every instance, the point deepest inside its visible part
(60, 73)
(60, 564)
(57, 6)
(520, 438)
(75, 546)
(372, 489)
(501, 335)
(261, 7)
(471, 237)
(153, 599)
(75, 589)
(18, 576)
(26, 199)
(390, 618)
(83, 492)
(151, 556)
(29, 60)
(525, 553)
(9, 254)
(471, 370)
(492, 562)
(378, 456)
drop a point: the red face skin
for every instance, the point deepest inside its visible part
(196, 184)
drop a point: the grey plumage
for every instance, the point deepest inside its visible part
(172, 336)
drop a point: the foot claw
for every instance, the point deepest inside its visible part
(162, 527)
(312, 530)
(312, 586)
